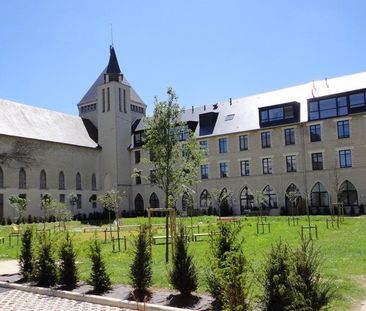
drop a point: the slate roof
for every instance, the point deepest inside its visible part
(36, 123)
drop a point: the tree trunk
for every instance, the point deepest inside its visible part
(166, 228)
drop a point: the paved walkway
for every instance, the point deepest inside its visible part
(16, 300)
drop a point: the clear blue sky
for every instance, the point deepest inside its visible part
(208, 50)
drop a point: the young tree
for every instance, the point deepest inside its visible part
(47, 204)
(183, 276)
(26, 263)
(140, 269)
(99, 277)
(20, 206)
(68, 271)
(61, 213)
(175, 154)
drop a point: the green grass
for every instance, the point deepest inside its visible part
(343, 251)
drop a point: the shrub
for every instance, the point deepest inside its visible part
(140, 269)
(3, 222)
(26, 255)
(45, 267)
(99, 277)
(68, 272)
(30, 219)
(8, 221)
(183, 276)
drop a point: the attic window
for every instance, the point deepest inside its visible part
(229, 117)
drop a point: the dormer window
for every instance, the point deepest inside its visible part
(279, 114)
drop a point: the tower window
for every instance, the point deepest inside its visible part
(124, 101)
(103, 100)
(108, 100)
(119, 100)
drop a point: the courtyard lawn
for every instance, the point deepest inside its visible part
(343, 251)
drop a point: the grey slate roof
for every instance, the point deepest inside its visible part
(36, 123)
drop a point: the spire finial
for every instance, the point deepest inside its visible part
(112, 33)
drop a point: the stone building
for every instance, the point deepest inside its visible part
(308, 138)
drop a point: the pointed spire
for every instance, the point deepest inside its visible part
(113, 71)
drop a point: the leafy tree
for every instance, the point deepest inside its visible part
(47, 204)
(45, 267)
(99, 277)
(68, 271)
(19, 204)
(174, 153)
(26, 260)
(140, 269)
(314, 293)
(61, 213)
(183, 276)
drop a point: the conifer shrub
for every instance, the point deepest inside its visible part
(68, 271)
(99, 278)
(26, 260)
(45, 267)
(140, 270)
(183, 276)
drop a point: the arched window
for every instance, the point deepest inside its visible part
(187, 202)
(94, 182)
(154, 200)
(61, 181)
(139, 204)
(319, 196)
(246, 199)
(270, 197)
(1, 178)
(205, 199)
(348, 194)
(43, 180)
(291, 188)
(78, 181)
(22, 179)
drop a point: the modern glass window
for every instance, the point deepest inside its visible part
(244, 168)
(224, 169)
(138, 178)
(317, 161)
(327, 108)
(204, 147)
(43, 180)
(345, 158)
(343, 129)
(223, 145)
(79, 201)
(243, 142)
(291, 163)
(94, 182)
(205, 199)
(267, 165)
(154, 200)
(357, 100)
(204, 171)
(137, 156)
(279, 114)
(290, 136)
(78, 181)
(319, 196)
(266, 139)
(22, 179)
(315, 133)
(1, 178)
(61, 181)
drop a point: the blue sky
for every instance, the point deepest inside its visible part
(208, 51)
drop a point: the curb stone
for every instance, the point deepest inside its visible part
(107, 301)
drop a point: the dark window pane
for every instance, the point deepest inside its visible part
(357, 100)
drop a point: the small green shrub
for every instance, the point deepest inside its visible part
(26, 260)
(99, 277)
(68, 271)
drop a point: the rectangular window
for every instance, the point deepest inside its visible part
(138, 138)
(328, 108)
(183, 133)
(357, 100)
(317, 161)
(244, 168)
(108, 100)
(62, 198)
(119, 100)
(78, 202)
(267, 165)
(137, 156)
(279, 114)
(152, 176)
(223, 145)
(138, 178)
(266, 139)
(204, 147)
(345, 158)
(243, 142)
(103, 100)
(291, 163)
(124, 102)
(290, 136)
(343, 129)
(224, 169)
(204, 171)
(315, 133)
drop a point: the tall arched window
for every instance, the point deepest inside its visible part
(1, 178)
(94, 182)
(139, 204)
(319, 196)
(43, 180)
(78, 181)
(291, 188)
(270, 197)
(187, 202)
(205, 199)
(61, 181)
(348, 194)
(246, 199)
(22, 179)
(154, 200)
